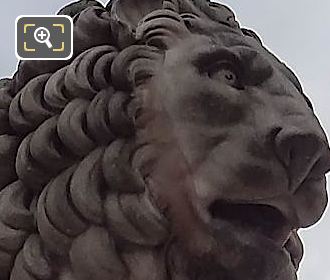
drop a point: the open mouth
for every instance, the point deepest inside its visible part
(263, 220)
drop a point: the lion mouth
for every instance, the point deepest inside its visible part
(263, 220)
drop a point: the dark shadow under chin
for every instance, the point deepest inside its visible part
(236, 255)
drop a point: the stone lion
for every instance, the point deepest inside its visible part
(172, 145)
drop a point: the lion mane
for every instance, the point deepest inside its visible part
(73, 200)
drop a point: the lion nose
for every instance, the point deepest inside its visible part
(305, 155)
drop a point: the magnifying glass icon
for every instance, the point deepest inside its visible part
(42, 35)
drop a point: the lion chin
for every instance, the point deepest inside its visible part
(231, 252)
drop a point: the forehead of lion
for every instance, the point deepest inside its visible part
(165, 25)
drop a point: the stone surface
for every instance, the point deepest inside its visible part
(173, 145)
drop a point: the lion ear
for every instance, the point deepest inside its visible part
(125, 15)
(130, 12)
(75, 8)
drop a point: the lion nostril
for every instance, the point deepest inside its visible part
(304, 155)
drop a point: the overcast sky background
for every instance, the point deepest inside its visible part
(297, 31)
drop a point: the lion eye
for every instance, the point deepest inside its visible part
(225, 76)
(224, 73)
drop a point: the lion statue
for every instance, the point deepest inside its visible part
(172, 145)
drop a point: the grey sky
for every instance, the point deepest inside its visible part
(297, 31)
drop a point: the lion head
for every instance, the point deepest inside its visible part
(173, 145)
